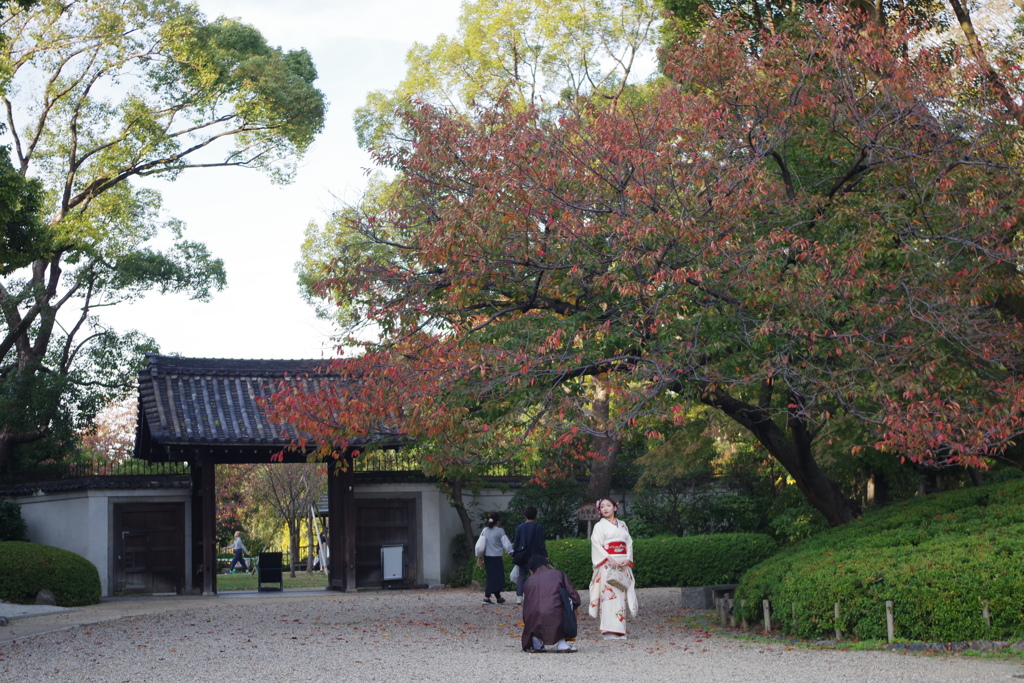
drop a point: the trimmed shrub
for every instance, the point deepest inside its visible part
(699, 560)
(27, 568)
(12, 526)
(937, 558)
(664, 561)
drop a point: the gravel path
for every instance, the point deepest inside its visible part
(436, 635)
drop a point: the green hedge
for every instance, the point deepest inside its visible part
(663, 561)
(27, 568)
(937, 558)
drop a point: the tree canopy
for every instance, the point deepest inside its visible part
(521, 52)
(100, 94)
(823, 229)
(532, 51)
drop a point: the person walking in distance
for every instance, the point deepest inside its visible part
(240, 552)
(490, 549)
(529, 541)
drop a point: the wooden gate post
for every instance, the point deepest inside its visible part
(349, 505)
(341, 516)
(209, 521)
(335, 528)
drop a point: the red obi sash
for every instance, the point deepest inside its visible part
(616, 548)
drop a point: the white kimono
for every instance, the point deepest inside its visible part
(612, 541)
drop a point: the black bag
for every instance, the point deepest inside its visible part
(569, 625)
(521, 556)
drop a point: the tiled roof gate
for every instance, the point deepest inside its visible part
(212, 405)
(205, 411)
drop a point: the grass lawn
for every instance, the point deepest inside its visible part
(247, 582)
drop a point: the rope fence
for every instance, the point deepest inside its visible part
(727, 617)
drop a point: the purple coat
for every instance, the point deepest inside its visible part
(542, 607)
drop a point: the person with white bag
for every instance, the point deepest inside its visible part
(612, 589)
(490, 548)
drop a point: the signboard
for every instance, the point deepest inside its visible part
(391, 562)
(589, 513)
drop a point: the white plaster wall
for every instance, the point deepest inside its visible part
(82, 522)
(438, 522)
(434, 506)
(77, 521)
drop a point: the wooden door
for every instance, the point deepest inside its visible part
(380, 523)
(149, 548)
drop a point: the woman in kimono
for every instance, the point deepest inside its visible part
(612, 589)
(491, 546)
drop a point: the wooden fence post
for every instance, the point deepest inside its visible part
(839, 632)
(767, 616)
(890, 626)
(986, 614)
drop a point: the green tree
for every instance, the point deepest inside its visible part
(23, 232)
(101, 94)
(288, 493)
(534, 51)
(769, 17)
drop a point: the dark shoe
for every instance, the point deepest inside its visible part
(501, 601)
(487, 601)
(536, 652)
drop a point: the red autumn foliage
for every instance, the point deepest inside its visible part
(823, 228)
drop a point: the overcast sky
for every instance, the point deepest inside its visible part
(257, 227)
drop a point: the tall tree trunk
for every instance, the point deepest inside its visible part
(872, 10)
(794, 453)
(11, 439)
(975, 476)
(310, 540)
(605, 443)
(294, 530)
(1007, 99)
(6, 448)
(454, 491)
(878, 489)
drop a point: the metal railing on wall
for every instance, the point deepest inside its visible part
(41, 472)
(374, 461)
(400, 460)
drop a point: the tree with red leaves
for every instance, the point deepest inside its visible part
(819, 229)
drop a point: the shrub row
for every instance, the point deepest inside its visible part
(663, 561)
(937, 558)
(27, 568)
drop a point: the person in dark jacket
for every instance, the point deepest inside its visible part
(543, 613)
(528, 542)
